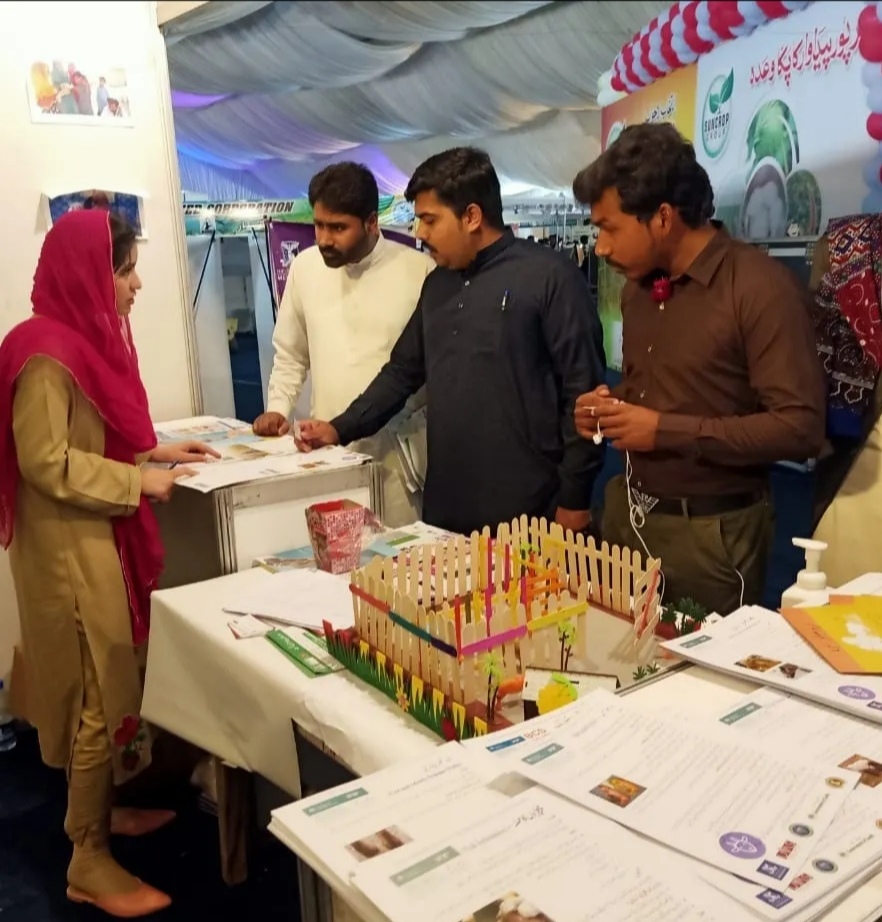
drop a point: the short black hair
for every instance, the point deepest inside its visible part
(649, 165)
(460, 177)
(346, 188)
(122, 241)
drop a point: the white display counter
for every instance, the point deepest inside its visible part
(211, 534)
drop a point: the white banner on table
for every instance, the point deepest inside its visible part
(759, 645)
(703, 791)
(537, 858)
(373, 817)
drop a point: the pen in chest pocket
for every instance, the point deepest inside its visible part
(504, 301)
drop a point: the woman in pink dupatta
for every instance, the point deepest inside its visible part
(84, 544)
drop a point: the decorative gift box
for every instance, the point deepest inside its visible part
(335, 531)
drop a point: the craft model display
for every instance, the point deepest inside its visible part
(448, 629)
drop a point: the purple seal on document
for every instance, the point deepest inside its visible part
(742, 845)
(857, 692)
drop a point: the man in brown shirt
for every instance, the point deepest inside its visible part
(721, 377)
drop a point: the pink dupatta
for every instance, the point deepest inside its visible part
(75, 323)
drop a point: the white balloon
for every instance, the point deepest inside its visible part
(794, 5)
(605, 80)
(706, 33)
(640, 71)
(872, 173)
(678, 26)
(873, 202)
(879, 11)
(683, 51)
(702, 13)
(871, 75)
(874, 98)
(751, 12)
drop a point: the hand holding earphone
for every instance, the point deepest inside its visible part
(585, 413)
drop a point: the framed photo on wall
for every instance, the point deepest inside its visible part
(126, 205)
(70, 90)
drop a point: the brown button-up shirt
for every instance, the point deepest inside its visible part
(730, 363)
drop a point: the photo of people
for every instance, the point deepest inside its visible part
(511, 908)
(870, 770)
(618, 791)
(378, 843)
(79, 91)
(126, 206)
(789, 671)
(758, 663)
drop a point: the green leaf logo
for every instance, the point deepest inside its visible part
(714, 103)
(727, 87)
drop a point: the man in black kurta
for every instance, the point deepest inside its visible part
(505, 338)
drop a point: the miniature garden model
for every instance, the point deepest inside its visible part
(447, 629)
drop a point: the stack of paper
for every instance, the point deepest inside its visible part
(759, 645)
(245, 457)
(632, 817)
(302, 598)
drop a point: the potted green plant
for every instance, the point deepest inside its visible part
(684, 617)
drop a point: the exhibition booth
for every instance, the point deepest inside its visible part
(392, 704)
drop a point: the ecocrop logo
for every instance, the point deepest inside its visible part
(716, 114)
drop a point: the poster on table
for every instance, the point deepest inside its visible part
(781, 123)
(671, 99)
(288, 238)
(125, 205)
(76, 90)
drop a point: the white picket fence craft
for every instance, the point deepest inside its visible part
(438, 610)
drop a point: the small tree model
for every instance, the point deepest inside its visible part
(566, 634)
(492, 668)
(684, 617)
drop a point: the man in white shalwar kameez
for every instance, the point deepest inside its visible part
(346, 301)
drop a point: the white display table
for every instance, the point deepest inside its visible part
(211, 534)
(236, 698)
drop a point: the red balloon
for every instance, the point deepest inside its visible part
(616, 82)
(717, 21)
(667, 50)
(648, 66)
(870, 47)
(868, 21)
(874, 126)
(690, 32)
(773, 9)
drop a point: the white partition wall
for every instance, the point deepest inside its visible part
(263, 307)
(54, 158)
(210, 316)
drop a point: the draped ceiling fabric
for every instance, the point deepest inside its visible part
(266, 94)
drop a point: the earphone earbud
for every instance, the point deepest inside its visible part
(597, 438)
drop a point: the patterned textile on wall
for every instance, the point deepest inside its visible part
(848, 321)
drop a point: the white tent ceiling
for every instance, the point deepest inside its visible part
(267, 93)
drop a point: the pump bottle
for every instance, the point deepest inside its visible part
(811, 583)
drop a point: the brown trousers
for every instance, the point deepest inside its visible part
(701, 556)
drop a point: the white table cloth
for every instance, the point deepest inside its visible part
(236, 698)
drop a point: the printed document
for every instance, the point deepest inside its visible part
(756, 644)
(302, 598)
(541, 859)
(396, 808)
(704, 791)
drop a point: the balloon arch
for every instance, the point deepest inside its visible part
(682, 34)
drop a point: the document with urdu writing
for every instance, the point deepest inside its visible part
(396, 808)
(695, 788)
(760, 646)
(541, 859)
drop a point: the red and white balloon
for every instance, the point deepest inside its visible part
(682, 34)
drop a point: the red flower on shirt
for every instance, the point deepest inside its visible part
(127, 731)
(661, 289)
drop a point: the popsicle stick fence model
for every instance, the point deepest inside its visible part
(444, 627)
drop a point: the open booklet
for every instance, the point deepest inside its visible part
(535, 858)
(759, 645)
(712, 795)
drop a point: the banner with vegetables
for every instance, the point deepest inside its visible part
(781, 123)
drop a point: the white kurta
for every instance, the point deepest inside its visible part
(339, 326)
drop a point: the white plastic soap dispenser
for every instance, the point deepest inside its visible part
(811, 583)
